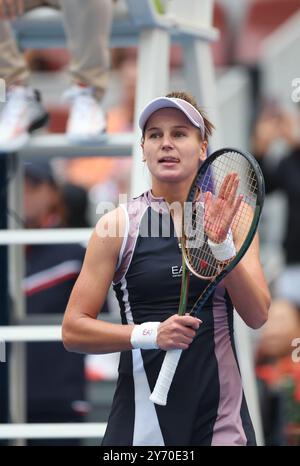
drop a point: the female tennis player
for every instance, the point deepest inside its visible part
(136, 247)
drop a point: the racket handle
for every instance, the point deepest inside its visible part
(165, 377)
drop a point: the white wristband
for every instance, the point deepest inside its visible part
(144, 336)
(225, 250)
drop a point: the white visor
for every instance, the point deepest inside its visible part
(173, 102)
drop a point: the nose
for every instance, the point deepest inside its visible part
(167, 143)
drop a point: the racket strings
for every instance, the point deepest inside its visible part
(197, 250)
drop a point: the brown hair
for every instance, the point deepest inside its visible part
(209, 127)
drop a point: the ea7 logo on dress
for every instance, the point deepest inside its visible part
(176, 271)
(2, 351)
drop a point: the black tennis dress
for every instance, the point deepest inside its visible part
(206, 404)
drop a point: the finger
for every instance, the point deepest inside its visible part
(207, 200)
(230, 188)
(238, 204)
(207, 197)
(233, 191)
(208, 207)
(187, 334)
(181, 346)
(185, 340)
(190, 321)
(223, 188)
(179, 342)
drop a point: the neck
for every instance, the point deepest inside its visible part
(171, 192)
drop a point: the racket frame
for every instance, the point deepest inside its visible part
(214, 281)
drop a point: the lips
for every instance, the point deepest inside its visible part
(168, 159)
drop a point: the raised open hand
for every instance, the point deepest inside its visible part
(219, 211)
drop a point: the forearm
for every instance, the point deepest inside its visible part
(88, 335)
(250, 298)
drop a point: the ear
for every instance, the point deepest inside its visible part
(203, 150)
(142, 147)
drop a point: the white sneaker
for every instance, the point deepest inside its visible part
(22, 113)
(86, 121)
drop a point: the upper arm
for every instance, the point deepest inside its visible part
(95, 278)
(251, 263)
(251, 259)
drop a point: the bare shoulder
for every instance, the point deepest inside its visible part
(99, 266)
(107, 238)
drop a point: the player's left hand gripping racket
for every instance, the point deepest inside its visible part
(224, 204)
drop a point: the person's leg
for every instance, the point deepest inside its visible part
(23, 111)
(13, 67)
(88, 30)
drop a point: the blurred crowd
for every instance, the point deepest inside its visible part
(276, 145)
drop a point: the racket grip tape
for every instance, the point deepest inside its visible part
(165, 377)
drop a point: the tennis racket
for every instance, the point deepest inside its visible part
(224, 204)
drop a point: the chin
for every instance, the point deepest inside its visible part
(170, 178)
(167, 175)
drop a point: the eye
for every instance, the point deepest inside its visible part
(155, 135)
(179, 134)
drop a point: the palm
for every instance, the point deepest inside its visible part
(220, 211)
